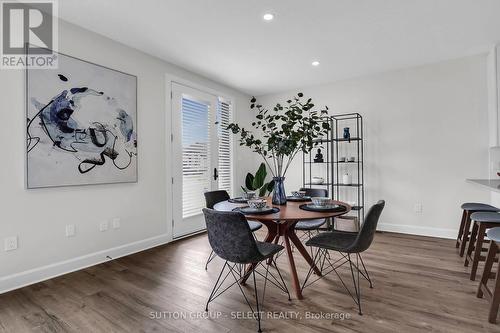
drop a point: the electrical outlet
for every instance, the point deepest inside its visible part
(10, 243)
(418, 208)
(103, 226)
(70, 230)
(116, 223)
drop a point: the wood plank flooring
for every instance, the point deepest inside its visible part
(420, 284)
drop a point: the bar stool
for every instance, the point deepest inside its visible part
(482, 221)
(464, 230)
(492, 296)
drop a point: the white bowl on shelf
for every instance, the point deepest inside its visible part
(317, 180)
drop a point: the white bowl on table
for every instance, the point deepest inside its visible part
(321, 201)
(298, 194)
(257, 203)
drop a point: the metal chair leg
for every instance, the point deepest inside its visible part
(256, 299)
(355, 281)
(282, 280)
(234, 270)
(366, 271)
(215, 286)
(211, 257)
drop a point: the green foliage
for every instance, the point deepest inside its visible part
(257, 182)
(284, 131)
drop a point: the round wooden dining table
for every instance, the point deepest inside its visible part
(282, 225)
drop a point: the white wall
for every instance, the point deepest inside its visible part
(426, 131)
(38, 217)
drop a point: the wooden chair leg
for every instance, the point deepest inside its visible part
(477, 251)
(472, 242)
(488, 265)
(461, 229)
(495, 301)
(465, 235)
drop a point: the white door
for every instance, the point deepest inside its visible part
(195, 156)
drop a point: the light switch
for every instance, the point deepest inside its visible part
(116, 223)
(10, 243)
(103, 226)
(70, 230)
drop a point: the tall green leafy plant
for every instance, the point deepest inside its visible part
(258, 182)
(281, 132)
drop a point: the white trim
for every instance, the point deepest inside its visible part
(39, 274)
(417, 230)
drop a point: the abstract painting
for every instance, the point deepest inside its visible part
(81, 125)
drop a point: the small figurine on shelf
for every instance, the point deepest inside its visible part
(319, 157)
(347, 134)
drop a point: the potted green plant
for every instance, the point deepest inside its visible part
(258, 183)
(281, 133)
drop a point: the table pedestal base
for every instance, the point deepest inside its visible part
(275, 230)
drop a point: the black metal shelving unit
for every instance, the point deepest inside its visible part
(332, 169)
(348, 148)
(321, 169)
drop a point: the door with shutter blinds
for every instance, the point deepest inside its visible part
(202, 154)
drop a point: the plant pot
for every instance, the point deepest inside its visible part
(279, 195)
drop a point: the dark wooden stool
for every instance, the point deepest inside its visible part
(482, 221)
(492, 296)
(464, 230)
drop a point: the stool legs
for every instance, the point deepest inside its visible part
(472, 241)
(461, 230)
(477, 250)
(465, 233)
(493, 297)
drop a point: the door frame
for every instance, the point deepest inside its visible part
(169, 151)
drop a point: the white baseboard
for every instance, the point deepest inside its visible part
(43, 273)
(420, 231)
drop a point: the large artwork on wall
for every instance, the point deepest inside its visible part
(81, 125)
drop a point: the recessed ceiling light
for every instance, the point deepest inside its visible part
(315, 63)
(268, 17)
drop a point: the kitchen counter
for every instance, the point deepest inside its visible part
(491, 184)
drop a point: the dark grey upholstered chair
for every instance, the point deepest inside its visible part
(347, 244)
(232, 240)
(211, 199)
(312, 224)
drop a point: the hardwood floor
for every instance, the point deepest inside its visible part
(420, 284)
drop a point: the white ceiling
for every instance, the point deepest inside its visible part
(228, 41)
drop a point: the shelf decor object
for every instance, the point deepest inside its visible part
(281, 133)
(342, 166)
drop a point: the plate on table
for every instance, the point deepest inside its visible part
(247, 210)
(238, 200)
(299, 199)
(326, 208)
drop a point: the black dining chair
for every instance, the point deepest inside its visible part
(211, 199)
(347, 244)
(312, 225)
(232, 240)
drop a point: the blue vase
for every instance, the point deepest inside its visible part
(347, 134)
(279, 196)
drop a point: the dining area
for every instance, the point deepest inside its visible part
(231, 223)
